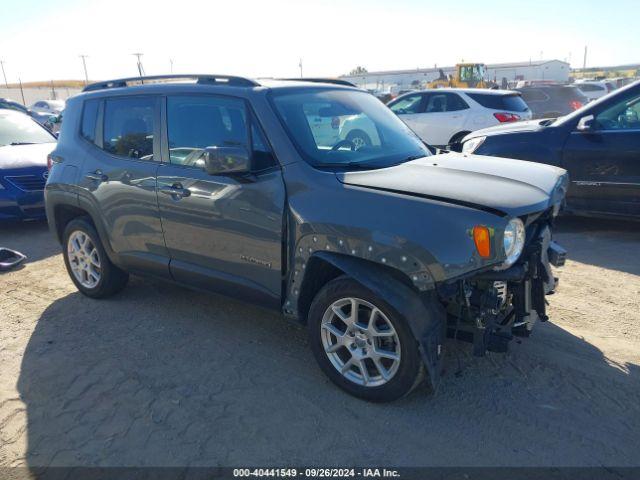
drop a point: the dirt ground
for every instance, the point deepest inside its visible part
(160, 375)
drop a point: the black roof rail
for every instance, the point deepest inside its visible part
(336, 81)
(209, 79)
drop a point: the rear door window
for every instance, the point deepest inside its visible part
(512, 103)
(444, 102)
(129, 125)
(197, 122)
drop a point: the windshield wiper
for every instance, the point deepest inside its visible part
(413, 157)
(21, 143)
(355, 165)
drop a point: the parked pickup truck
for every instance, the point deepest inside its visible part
(218, 183)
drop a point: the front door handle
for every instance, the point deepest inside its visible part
(98, 176)
(175, 191)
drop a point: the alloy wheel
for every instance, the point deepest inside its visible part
(84, 259)
(360, 342)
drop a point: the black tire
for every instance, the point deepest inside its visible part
(112, 279)
(411, 369)
(353, 135)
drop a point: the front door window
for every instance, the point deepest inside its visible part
(624, 115)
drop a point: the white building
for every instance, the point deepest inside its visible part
(555, 70)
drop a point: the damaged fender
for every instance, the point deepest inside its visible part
(423, 312)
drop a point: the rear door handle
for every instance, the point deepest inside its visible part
(98, 176)
(175, 191)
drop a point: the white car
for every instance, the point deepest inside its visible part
(443, 116)
(593, 89)
(53, 107)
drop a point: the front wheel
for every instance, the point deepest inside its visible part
(359, 139)
(363, 344)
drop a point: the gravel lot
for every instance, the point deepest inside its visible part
(161, 375)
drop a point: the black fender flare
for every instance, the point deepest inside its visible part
(424, 313)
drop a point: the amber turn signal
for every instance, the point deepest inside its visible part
(482, 240)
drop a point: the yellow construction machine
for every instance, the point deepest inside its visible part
(467, 75)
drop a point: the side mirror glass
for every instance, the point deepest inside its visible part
(586, 124)
(226, 160)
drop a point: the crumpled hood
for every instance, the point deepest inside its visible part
(500, 185)
(525, 126)
(21, 156)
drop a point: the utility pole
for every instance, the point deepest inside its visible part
(171, 63)
(584, 62)
(6, 84)
(84, 64)
(139, 63)
(300, 65)
(22, 92)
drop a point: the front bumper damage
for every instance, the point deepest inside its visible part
(492, 307)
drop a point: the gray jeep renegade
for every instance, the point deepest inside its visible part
(311, 198)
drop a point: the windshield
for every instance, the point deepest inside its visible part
(19, 129)
(472, 73)
(346, 128)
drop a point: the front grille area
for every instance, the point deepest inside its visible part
(27, 183)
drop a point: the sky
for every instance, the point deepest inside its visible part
(42, 40)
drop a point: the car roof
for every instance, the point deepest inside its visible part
(484, 91)
(199, 81)
(548, 85)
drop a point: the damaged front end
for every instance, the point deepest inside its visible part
(491, 307)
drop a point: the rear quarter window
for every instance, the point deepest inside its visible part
(570, 93)
(89, 119)
(534, 95)
(587, 87)
(512, 103)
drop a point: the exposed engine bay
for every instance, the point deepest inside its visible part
(492, 307)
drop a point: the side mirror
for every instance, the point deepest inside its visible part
(226, 160)
(586, 124)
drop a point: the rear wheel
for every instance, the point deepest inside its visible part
(87, 263)
(362, 344)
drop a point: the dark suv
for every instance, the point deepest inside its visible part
(552, 101)
(599, 145)
(224, 184)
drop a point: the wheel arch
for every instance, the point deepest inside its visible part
(64, 213)
(423, 311)
(457, 138)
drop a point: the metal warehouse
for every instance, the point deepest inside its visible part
(555, 70)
